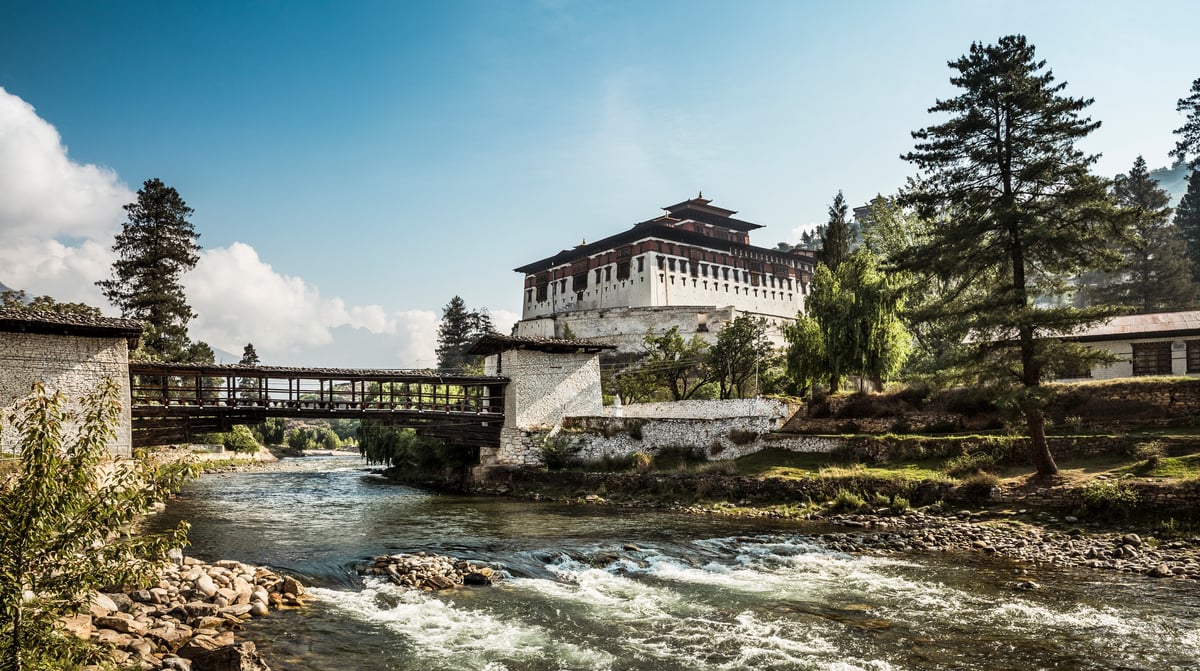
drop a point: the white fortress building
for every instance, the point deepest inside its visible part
(693, 267)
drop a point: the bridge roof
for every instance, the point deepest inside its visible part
(237, 370)
(53, 323)
(492, 343)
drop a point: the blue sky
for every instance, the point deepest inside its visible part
(354, 165)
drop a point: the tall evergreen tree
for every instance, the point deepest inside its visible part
(249, 386)
(1027, 213)
(1188, 144)
(156, 246)
(460, 328)
(1154, 274)
(836, 238)
(1187, 220)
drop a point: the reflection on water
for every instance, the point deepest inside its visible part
(695, 592)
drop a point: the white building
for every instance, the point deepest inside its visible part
(693, 267)
(1163, 343)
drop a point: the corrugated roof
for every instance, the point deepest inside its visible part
(1157, 324)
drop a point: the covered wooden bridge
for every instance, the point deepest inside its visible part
(172, 402)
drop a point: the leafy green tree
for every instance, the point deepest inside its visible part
(64, 524)
(459, 329)
(1027, 214)
(1188, 144)
(1187, 220)
(1155, 275)
(13, 299)
(837, 234)
(804, 355)
(271, 431)
(741, 352)
(156, 246)
(675, 364)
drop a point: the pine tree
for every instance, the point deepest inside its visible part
(460, 328)
(249, 386)
(1026, 214)
(1155, 276)
(1189, 141)
(1187, 220)
(155, 247)
(835, 239)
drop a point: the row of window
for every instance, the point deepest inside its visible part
(1154, 358)
(721, 272)
(716, 286)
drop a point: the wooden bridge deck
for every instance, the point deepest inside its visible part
(174, 402)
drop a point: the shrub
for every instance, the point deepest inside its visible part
(978, 487)
(966, 465)
(240, 439)
(634, 428)
(900, 505)
(642, 461)
(64, 525)
(845, 501)
(678, 458)
(559, 451)
(1151, 453)
(741, 437)
(271, 431)
(313, 438)
(1108, 499)
(914, 396)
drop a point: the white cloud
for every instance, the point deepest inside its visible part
(45, 196)
(503, 320)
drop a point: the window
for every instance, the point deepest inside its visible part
(660, 263)
(623, 270)
(529, 295)
(671, 265)
(1152, 358)
(579, 281)
(607, 273)
(641, 264)
(541, 291)
(1193, 356)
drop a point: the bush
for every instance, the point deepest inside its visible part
(1107, 499)
(845, 501)
(978, 488)
(65, 519)
(642, 461)
(240, 439)
(271, 431)
(678, 458)
(313, 438)
(1151, 453)
(560, 451)
(966, 465)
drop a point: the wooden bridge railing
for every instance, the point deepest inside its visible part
(193, 398)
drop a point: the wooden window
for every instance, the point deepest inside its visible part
(641, 264)
(671, 265)
(1152, 358)
(541, 291)
(607, 273)
(1193, 356)
(623, 270)
(579, 281)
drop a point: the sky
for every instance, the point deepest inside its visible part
(354, 165)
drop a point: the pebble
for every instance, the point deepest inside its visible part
(429, 572)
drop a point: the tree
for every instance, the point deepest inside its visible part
(1187, 220)
(836, 237)
(742, 350)
(64, 524)
(1188, 143)
(675, 364)
(855, 313)
(1027, 213)
(249, 386)
(12, 299)
(804, 355)
(1154, 274)
(156, 245)
(460, 328)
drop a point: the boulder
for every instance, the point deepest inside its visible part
(242, 657)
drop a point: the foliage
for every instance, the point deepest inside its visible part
(1154, 275)
(156, 246)
(271, 431)
(673, 364)
(837, 234)
(11, 299)
(858, 331)
(240, 439)
(406, 450)
(742, 349)
(1188, 143)
(249, 386)
(458, 331)
(313, 438)
(804, 355)
(978, 487)
(1187, 220)
(64, 523)
(1111, 499)
(560, 451)
(846, 501)
(1026, 215)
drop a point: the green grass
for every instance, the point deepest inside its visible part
(1166, 467)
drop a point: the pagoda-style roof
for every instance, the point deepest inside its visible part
(54, 323)
(493, 343)
(699, 209)
(664, 228)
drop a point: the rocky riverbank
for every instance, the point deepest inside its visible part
(186, 622)
(1002, 534)
(429, 572)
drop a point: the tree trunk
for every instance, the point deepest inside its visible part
(1042, 459)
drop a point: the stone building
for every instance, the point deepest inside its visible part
(1163, 343)
(67, 353)
(693, 267)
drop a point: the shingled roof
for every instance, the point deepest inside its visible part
(1136, 327)
(53, 323)
(493, 343)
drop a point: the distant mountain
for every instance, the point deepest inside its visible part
(1173, 180)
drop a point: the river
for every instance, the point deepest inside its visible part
(597, 587)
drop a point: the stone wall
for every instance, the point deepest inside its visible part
(707, 409)
(72, 365)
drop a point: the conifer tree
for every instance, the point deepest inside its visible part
(249, 385)
(1188, 144)
(460, 328)
(1187, 220)
(1154, 275)
(156, 246)
(836, 238)
(1027, 215)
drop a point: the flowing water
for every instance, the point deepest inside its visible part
(593, 587)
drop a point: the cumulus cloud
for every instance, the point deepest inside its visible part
(241, 298)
